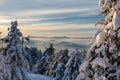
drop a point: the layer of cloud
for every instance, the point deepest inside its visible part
(52, 16)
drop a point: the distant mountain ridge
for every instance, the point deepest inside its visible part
(69, 44)
(65, 37)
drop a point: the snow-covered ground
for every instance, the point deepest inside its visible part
(39, 77)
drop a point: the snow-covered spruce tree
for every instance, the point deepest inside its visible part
(34, 56)
(72, 66)
(42, 64)
(13, 61)
(59, 65)
(103, 58)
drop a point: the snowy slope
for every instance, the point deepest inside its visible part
(39, 77)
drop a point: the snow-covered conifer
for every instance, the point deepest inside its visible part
(14, 64)
(102, 61)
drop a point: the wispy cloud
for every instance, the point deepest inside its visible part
(66, 16)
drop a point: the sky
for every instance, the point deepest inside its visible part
(51, 17)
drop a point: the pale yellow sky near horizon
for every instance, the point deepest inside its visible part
(48, 30)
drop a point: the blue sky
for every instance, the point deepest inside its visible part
(51, 17)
